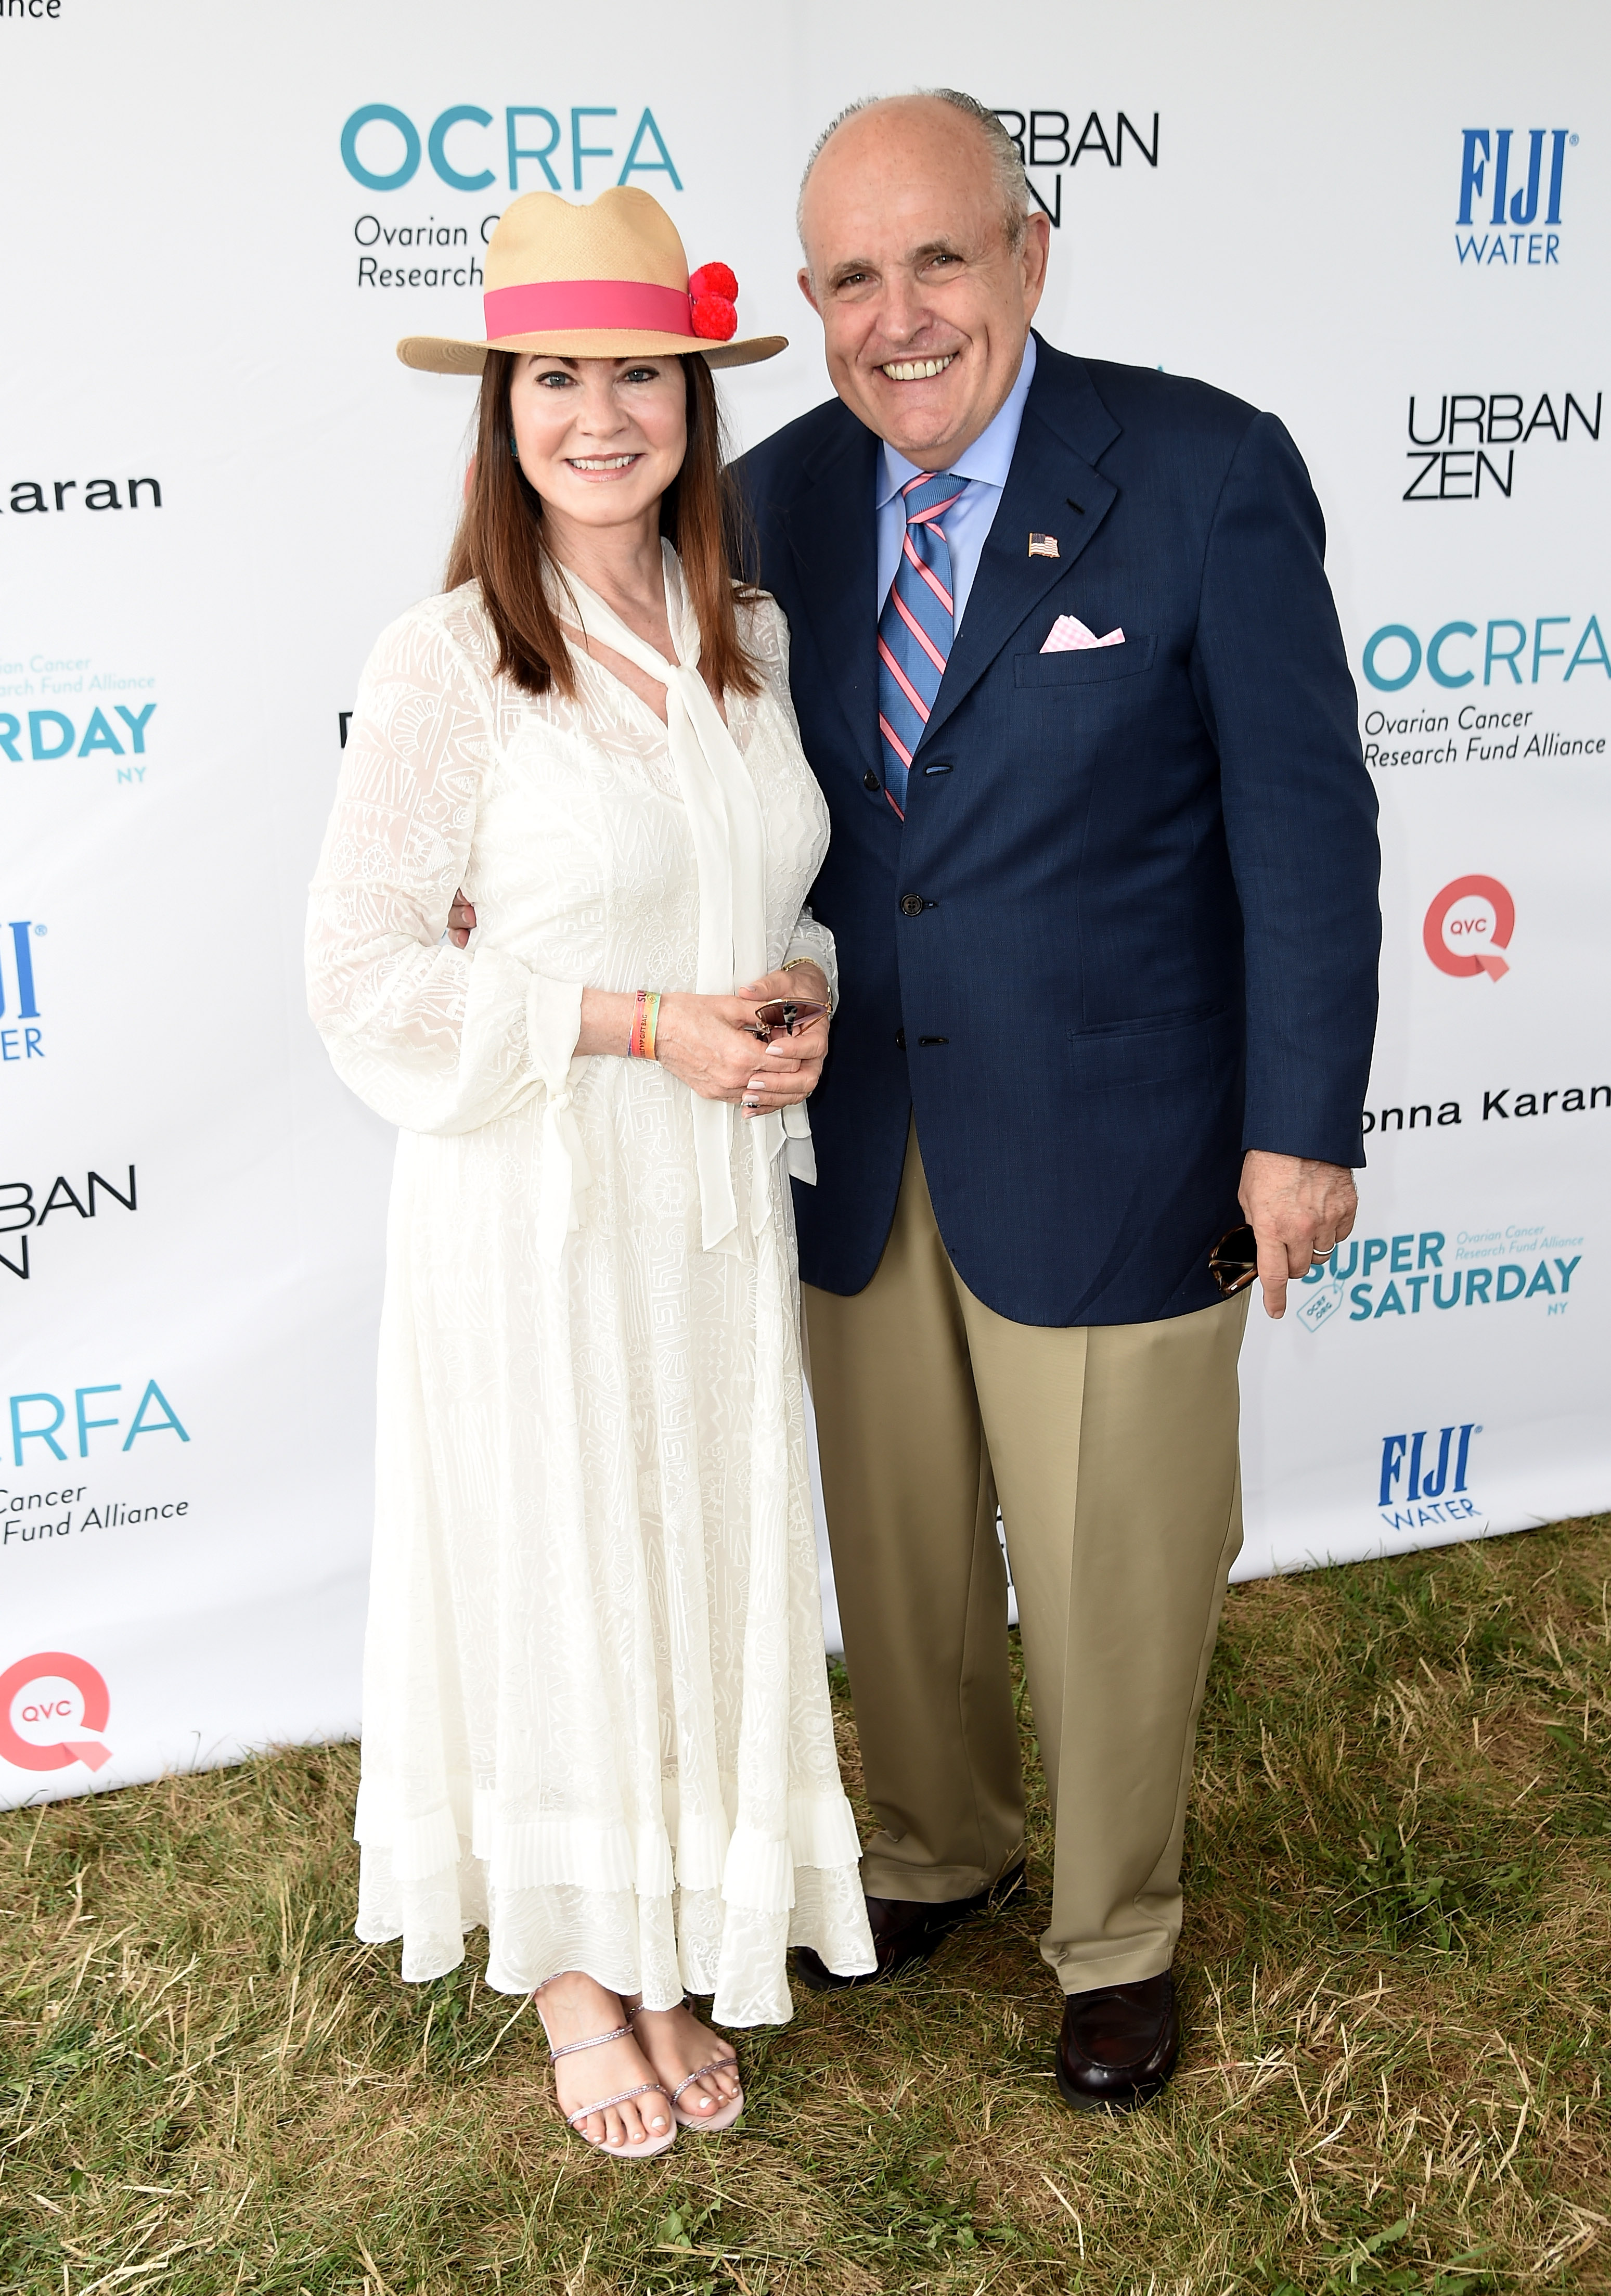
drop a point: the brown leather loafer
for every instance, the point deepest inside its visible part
(1118, 2045)
(904, 1933)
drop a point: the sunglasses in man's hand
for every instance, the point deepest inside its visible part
(782, 1017)
(1233, 1263)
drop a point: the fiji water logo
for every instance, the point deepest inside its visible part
(1467, 925)
(1499, 224)
(22, 1032)
(1424, 1478)
(381, 148)
(49, 1705)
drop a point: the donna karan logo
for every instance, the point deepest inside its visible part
(48, 1701)
(1467, 925)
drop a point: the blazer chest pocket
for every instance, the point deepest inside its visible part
(1084, 665)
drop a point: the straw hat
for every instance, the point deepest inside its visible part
(606, 281)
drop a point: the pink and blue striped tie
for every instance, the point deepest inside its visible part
(915, 627)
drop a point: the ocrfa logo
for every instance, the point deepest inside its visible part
(647, 154)
(47, 1702)
(1467, 924)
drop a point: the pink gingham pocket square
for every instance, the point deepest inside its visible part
(1071, 635)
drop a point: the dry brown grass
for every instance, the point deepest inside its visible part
(1396, 1964)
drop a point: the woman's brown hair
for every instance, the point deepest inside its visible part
(501, 543)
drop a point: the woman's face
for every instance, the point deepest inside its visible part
(601, 440)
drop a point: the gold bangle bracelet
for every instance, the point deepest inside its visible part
(795, 961)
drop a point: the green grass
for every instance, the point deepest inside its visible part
(1397, 1963)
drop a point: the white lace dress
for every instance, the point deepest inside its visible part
(595, 1710)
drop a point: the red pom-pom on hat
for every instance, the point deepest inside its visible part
(713, 279)
(714, 319)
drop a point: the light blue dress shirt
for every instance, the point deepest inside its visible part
(967, 524)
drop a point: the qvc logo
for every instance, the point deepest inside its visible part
(1467, 924)
(46, 1704)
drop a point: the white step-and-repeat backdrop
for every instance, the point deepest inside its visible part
(1390, 226)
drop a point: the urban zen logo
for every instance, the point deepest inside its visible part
(19, 1038)
(20, 1212)
(1042, 141)
(1492, 159)
(1465, 927)
(1454, 451)
(1418, 1488)
(46, 1704)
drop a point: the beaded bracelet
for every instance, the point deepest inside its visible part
(640, 1045)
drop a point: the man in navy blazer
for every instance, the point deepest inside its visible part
(1102, 880)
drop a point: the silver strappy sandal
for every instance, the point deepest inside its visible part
(722, 2118)
(649, 2146)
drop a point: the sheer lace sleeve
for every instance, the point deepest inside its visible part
(767, 635)
(432, 1038)
(812, 939)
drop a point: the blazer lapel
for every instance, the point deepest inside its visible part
(832, 531)
(1053, 489)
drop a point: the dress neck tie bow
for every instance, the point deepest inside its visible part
(730, 858)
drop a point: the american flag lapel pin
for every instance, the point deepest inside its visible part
(1042, 545)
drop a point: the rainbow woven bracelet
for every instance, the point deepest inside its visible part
(640, 1045)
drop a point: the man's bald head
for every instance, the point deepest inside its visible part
(998, 150)
(925, 266)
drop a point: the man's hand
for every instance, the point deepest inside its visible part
(1298, 1210)
(708, 1041)
(790, 1067)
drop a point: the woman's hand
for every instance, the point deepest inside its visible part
(460, 920)
(710, 1044)
(788, 1068)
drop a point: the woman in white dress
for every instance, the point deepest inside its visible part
(595, 1710)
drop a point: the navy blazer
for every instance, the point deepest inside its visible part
(1129, 927)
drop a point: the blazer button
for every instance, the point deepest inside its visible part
(911, 905)
(870, 780)
(900, 1040)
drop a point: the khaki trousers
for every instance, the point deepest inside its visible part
(1113, 1451)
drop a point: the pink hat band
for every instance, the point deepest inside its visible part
(547, 306)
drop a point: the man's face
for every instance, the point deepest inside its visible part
(925, 306)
